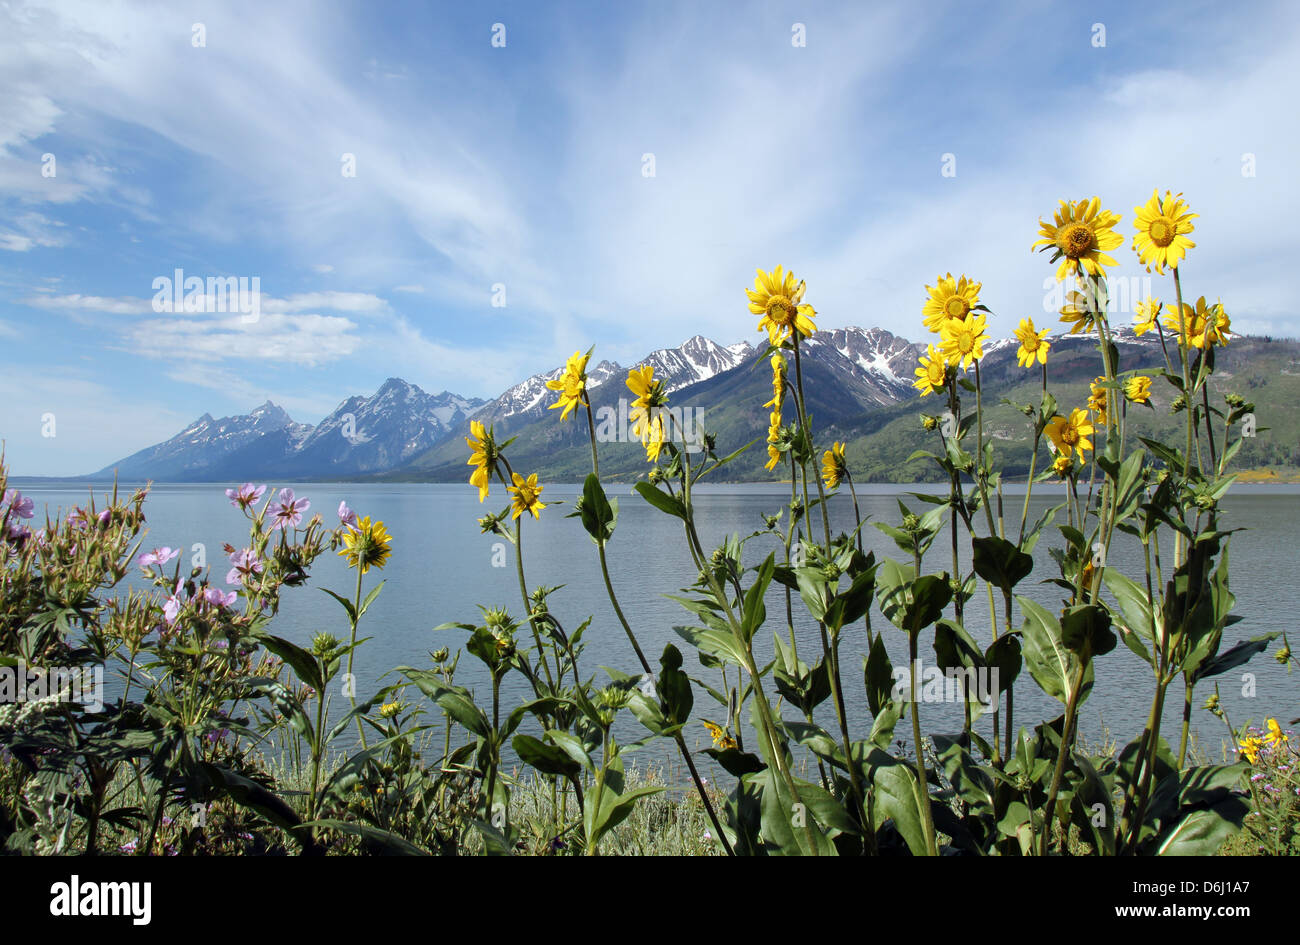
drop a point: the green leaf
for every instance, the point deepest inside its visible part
(1004, 655)
(257, 798)
(898, 799)
(571, 745)
(548, 759)
(455, 700)
(1134, 605)
(614, 809)
(598, 516)
(674, 687)
(1233, 657)
(734, 761)
(1049, 660)
(909, 602)
(713, 642)
(1000, 562)
(347, 604)
(1085, 628)
(661, 500)
(851, 605)
(815, 590)
(305, 666)
(879, 676)
(755, 611)
(370, 599)
(1201, 832)
(387, 841)
(954, 648)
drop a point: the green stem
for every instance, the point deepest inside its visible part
(1187, 721)
(1067, 737)
(645, 664)
(923, 790)
(352, 680)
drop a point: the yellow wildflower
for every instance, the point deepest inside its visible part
(949, 298)
(719, 735)
(484, 457)
(778, 298)
(1080, 237)
(963, 340)
(1079, 313)
(572, 384)
(1097, 400)
(1033, 344)
(778, 382)
(773, 439)
(1146, 316)
(932, 375)
(833, 466)
(1251, 746)
(1203, 324)
(1070, 434)
(366, 545)
(1138, 389)
(1160, 239)
(647, 410)
(527, 496)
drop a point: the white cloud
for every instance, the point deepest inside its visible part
(75, 302)
(308, 339)
(31, 230)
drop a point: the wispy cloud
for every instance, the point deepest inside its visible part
(423, 203)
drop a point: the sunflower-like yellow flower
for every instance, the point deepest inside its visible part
(1033, 344)
(1274, 736)
(834, 467)
(1251, 746)
(527, 496)
(1079, 313)
(962, 340)
(778, 382)
(1162, 228)
(572, 384)
(1070, 434)
(932, 375)
(773, 439)
(1063, 464)
(949, 298)
(1202, 324)
(1138, 389)
(647, 413)
(719, 735)
(1097, 400)
(1147, 311)
(484, 455)
(366, 545)
(779, 299)
(1080, 237)
(1190, 326)
(1216, 329)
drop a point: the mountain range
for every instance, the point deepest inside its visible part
(858, 383)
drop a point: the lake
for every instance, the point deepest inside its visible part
(442, 567)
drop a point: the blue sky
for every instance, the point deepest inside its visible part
(522, 165)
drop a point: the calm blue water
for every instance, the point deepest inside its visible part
(442, 567)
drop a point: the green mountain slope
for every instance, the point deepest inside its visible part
(879, 439)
